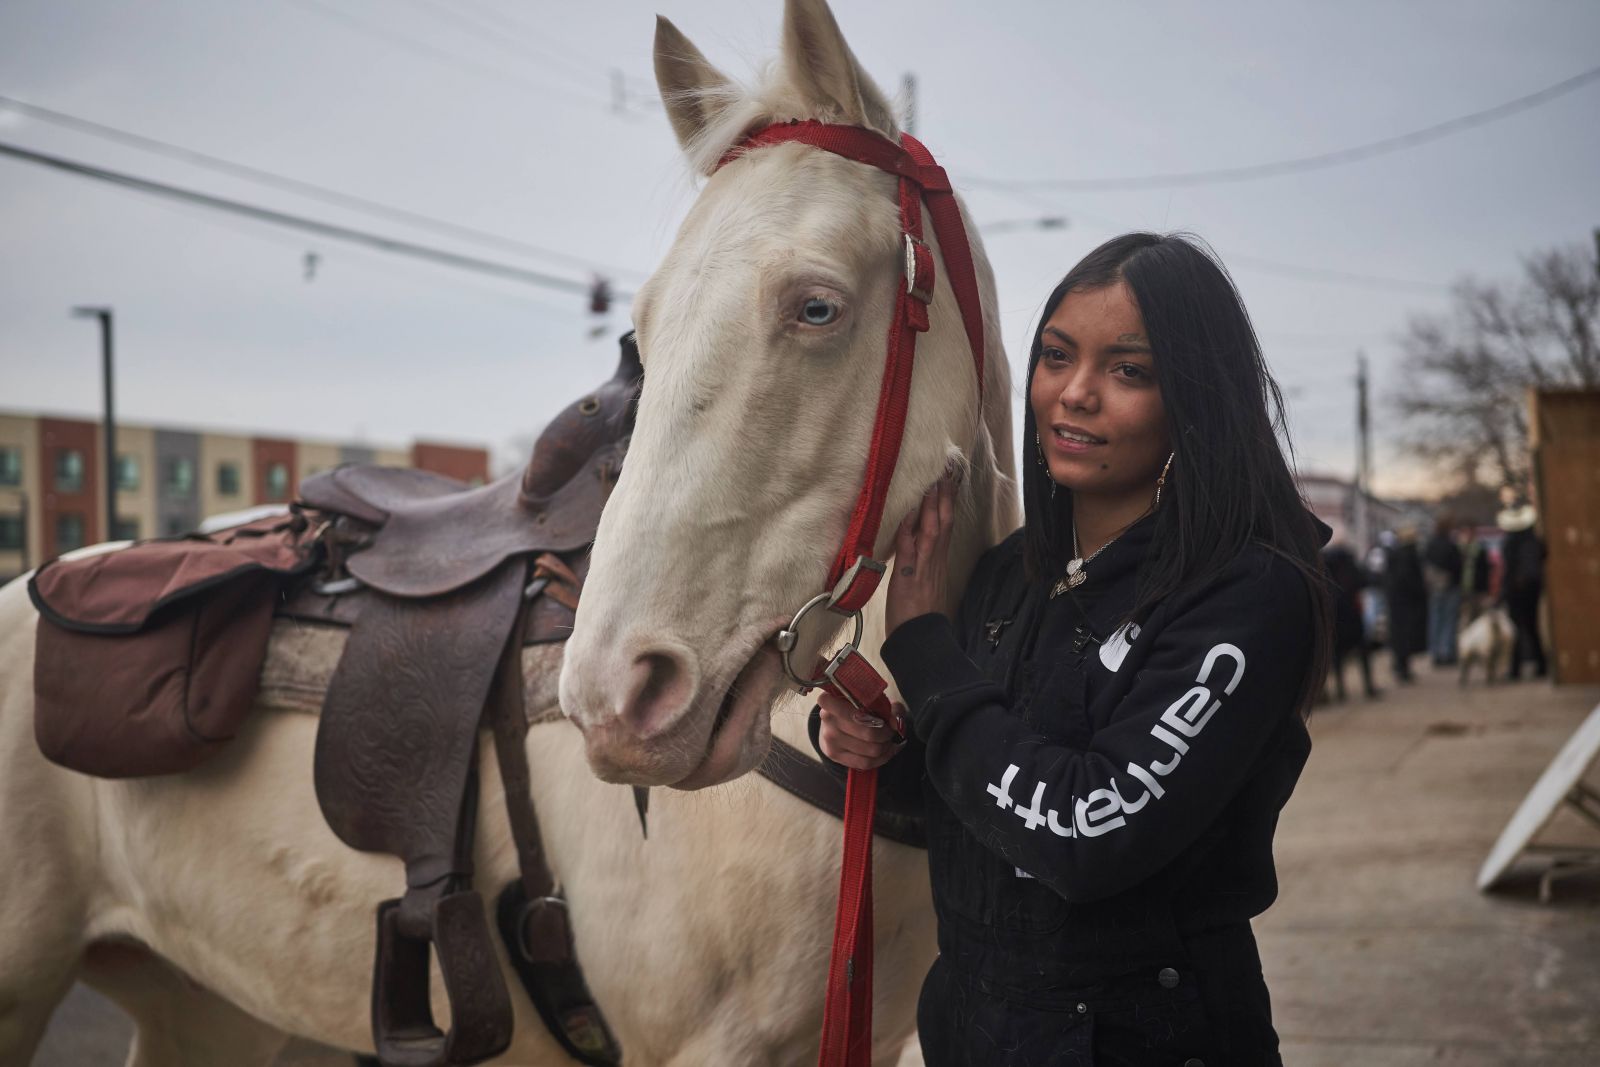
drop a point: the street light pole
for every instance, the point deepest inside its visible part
(109, 423)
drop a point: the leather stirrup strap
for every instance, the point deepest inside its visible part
(395, 772)
(532, 911)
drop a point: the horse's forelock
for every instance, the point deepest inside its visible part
(738, 110)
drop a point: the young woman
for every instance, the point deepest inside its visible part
(1104, 735)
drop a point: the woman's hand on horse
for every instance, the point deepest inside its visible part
(922, 556)
(851, 737)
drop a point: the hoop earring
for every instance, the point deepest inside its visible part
(1163, 479)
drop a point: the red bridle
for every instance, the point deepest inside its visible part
(854, 576)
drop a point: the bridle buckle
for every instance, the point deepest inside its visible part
(864, 569)
(918, 269)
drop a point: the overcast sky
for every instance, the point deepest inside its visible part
(498, 115)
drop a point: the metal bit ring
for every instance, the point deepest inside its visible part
(789, 637)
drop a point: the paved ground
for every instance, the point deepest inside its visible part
(1380, 952)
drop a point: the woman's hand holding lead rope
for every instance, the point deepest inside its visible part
(849, 736)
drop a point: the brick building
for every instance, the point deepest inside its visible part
(168, 479)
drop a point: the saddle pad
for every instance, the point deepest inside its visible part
(148, 658)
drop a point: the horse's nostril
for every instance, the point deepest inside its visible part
(657, 694)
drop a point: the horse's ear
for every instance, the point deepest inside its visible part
(822, 68)
(688, 82)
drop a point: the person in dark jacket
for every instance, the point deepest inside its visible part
(1104, 735)
(1522, 584)
(1441, 571)
(1349, 628)
(1475, 570)
(1406, 592)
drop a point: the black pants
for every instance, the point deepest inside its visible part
(1210, 1010)
(1523, 607)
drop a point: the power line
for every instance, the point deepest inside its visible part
(1271, 266)
(1326, 274)
(303, 188)
(441, 55)
(1320, 161)
(297, 222)
(626, 88)
(542, 31)
(454, 16)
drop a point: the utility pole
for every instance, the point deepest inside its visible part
(1363, 455)
(908, 91)
(109, 423)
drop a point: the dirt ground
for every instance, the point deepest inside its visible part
(1380, 952)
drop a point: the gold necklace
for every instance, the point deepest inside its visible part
(1076, 575)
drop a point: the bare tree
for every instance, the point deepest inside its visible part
(1467, 371)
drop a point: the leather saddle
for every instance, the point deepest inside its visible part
(441, 584)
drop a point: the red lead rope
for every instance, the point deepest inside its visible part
(847, 1015)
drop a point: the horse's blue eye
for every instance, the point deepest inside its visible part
(818, 312)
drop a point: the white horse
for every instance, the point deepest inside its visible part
(221, 912)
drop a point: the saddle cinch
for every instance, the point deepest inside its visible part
(149, 659)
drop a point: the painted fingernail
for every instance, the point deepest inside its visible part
(869, 720)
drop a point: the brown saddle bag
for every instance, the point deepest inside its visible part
(149, 657)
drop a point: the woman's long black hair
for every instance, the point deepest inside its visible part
(1229, 483)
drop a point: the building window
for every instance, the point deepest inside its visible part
(125, 530)
(277, 481)
(10, 466)
(11, 533)
(128, 472)
(178, 477)
(227, 479)
(69, 471)
(176, 527)
(69, 531)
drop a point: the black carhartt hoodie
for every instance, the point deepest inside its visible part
(1098, 792)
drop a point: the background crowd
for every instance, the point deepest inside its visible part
(1425, 591)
